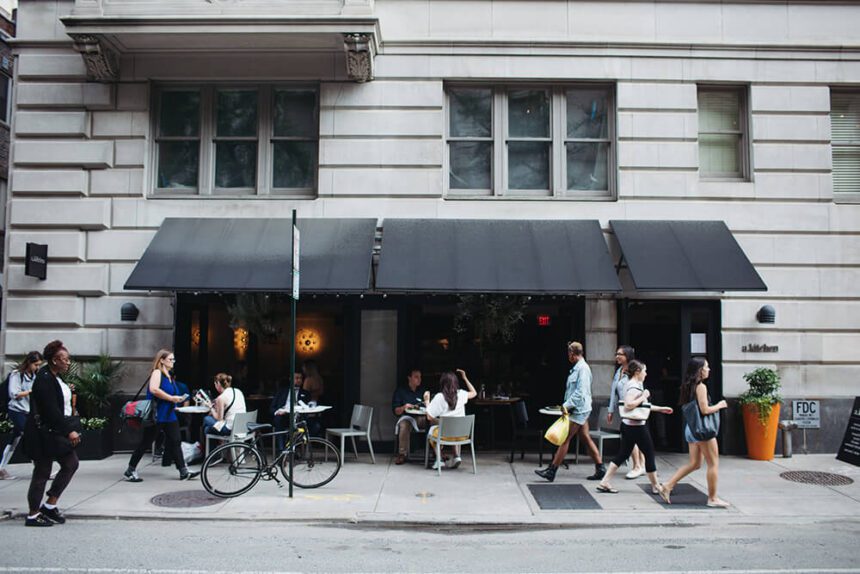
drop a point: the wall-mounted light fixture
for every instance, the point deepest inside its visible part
(766, 314)
(240, 342)
(129, 312)
(307, 341)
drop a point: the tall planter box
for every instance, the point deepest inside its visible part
(96, 444)
(761, 438)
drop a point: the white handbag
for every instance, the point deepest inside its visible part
(640, 413)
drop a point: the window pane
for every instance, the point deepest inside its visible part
(586, 166)
(528, 114)
(586, 114)
(719, 155)
(528, 165)
(237, 113)
(235, 164)
(295, 113)
(177, 164)
(471, 163)
(846, 169)
(180, 114)
(471, 113)
(719, 111)
(845, 118)
(4, 97)
(294, 164)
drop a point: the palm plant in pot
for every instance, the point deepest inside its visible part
(760, 406)
(94, 384)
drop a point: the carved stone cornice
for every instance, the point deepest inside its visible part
(101, 61)
(359, 56)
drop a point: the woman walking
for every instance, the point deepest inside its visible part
(694, 387)
(165, 392)
(50, 435)
(634, 432)
(20, 387)
(577, 401)
(623, 355)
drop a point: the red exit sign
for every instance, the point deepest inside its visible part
(544, 321)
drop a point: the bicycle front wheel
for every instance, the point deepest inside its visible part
(316, 463)
(231, 469)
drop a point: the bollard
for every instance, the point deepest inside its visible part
(786, 427)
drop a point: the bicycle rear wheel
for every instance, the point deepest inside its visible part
(316, 463)
(231, 469)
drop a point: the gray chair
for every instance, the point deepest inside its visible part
(604, 431)
(359, 426)
(237, 433)
(453, 431)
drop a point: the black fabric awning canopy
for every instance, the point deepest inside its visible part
(685, 256)
(494, 256)
(234, 254)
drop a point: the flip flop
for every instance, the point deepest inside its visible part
(607, 489)
(664, 494)
(719, 504)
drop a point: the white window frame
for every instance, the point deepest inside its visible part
(851, 195)
(744, 157)
(265, 143)
(558, 140)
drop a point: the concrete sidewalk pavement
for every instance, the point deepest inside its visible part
(497, 495)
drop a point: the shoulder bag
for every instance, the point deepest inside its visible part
(138, 413)
(702, 427)
(220, 424)
(640, 413)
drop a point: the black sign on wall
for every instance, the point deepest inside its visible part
(850, 450)
(36, 264)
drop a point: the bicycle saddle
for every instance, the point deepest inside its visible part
(253, 427)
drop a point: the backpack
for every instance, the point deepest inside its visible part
(4, 395)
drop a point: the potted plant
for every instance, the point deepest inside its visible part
(760, 406)
(94, 385)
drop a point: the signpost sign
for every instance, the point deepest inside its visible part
(850, 450)
(806, 414)
(295, 296)
(296, 250)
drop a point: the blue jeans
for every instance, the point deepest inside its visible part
(19, 419)
(209, 427)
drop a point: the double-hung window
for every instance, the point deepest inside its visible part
(845, 141)
(525, 141)
(723, 141)
(236, 140)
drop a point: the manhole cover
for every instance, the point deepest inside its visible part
(185, 499)
(812, 477)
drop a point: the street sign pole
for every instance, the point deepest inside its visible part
(294, 276)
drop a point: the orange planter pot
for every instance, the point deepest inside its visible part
(761, 439)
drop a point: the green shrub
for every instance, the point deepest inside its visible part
(763, 391)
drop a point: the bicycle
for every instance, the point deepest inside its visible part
(234, 468)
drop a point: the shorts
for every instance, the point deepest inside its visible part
(578, 417)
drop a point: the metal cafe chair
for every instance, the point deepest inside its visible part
(452, 431)
(359, 426)
(604, 431)
(522, 432)
(237, 433)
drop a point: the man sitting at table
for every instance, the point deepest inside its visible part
(281, 409)
(405, 398)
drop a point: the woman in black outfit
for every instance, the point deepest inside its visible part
(50, 407)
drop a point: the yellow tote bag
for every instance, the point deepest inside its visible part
(557, 433)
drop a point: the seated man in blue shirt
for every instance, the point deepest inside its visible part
(409, 397)
(280, 409)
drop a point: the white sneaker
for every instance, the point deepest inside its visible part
(437, 465)
(635, 473)
(456, 462)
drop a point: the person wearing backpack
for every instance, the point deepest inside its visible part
(15, 401)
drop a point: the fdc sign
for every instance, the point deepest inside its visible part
(806, 414)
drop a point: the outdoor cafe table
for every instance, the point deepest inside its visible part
(491, 402)
(555, 412)
(195, 410)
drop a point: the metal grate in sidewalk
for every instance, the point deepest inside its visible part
(563, 497)
(819, 478)
(185, 499)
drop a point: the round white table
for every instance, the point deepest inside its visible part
(193, 410)
(416, 412)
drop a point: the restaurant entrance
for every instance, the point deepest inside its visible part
(665, 335)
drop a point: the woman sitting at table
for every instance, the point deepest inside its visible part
(450, 402)
(229, 402)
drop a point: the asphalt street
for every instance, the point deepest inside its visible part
(108, 546)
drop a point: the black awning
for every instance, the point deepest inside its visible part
(685, 256)
(494, 256)
(232, 254)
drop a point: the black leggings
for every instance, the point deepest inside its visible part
(636, 436)
(171, 443)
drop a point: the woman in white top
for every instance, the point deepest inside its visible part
(634, 432)
(20, 387)
(451, 401)
(230, 402)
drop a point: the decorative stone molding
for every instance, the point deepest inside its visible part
(101, 61)
(359, 57)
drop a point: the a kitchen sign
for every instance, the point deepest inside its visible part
(36, 261)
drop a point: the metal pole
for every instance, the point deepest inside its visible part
(292, 349)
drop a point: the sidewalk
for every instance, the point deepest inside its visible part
(498, 495)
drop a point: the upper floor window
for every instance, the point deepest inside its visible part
(530, 141)
(236, 140)
(5, 99)
(845, 140)
(723, 142)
